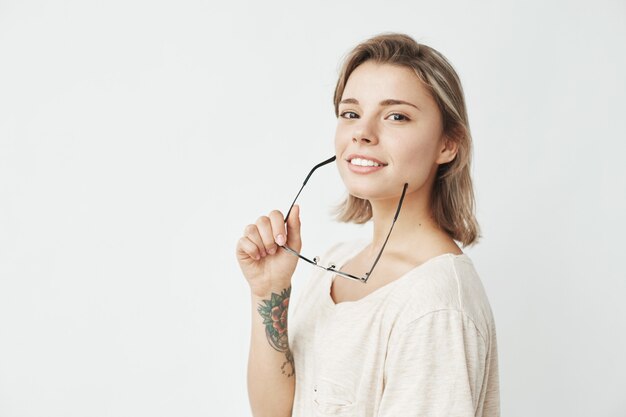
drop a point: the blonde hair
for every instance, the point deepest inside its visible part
(452, 196)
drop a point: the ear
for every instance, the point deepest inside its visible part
(448, 150)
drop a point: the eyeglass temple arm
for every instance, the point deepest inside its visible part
(328, 161)
(367, 274)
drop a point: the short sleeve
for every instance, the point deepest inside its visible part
(435, 366)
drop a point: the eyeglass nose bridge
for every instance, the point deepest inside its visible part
(333, 267)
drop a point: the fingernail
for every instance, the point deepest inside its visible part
(280, 239)
(271, 251)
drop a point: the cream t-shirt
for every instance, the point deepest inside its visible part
(423, 345)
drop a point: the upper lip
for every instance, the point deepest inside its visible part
(370, 158)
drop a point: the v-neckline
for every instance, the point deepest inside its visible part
(359, 245)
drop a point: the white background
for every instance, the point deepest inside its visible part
(138, 139)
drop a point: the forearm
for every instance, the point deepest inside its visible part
(271, 371)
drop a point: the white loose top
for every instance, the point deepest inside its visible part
(422, 345)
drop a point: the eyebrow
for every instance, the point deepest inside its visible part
(387, 102)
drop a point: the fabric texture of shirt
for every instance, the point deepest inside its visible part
(423, 345)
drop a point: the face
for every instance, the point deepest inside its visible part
(406, 137)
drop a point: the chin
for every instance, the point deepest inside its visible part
(374, 191)
(362, 197)
(359, 192)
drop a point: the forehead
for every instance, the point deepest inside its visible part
(374, 82)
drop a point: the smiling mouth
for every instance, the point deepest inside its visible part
(360, 169)
(362, 162)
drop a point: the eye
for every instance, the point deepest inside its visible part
(401, 115)
(347, 112)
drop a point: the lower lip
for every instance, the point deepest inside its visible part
(363, 170)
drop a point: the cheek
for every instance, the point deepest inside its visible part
(416, 160)
(341, 140)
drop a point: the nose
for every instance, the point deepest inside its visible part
(364, 132)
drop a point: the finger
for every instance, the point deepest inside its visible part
(265, 229)
(252, 232)
(279, 229)
(247, 248)
(293, 227)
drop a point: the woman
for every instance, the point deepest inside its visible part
(419, 338)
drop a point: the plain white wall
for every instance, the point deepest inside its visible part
(138, 139)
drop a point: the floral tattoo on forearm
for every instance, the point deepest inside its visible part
(274, 313)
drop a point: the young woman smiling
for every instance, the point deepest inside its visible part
(419, 338)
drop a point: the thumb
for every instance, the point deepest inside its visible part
(293, 229)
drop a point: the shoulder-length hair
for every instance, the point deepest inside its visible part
(452, 197)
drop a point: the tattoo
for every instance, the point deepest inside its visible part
(274, 313)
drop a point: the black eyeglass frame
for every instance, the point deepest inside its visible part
(332, 266)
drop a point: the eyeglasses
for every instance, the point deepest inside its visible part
(333, 267)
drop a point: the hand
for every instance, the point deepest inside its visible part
(266, 271)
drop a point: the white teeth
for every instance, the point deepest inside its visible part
(364, 162)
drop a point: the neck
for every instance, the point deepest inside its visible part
(414, 227)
